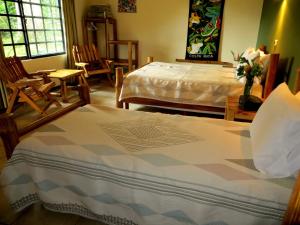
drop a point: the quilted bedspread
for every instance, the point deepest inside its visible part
(186, 83)
(124, 167)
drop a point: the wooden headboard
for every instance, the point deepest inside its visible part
(297, 81)
(271, 75)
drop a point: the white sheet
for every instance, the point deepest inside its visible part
(187, 83)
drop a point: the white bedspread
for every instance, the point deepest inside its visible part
(187, 83)
(123, 167)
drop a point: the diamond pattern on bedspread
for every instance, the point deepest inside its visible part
(140, 134)
(141, 209)
(54, 140)
(105, 198)
(75, 190)
(248, 163)
(50, 128)
(22, 179)
(226, 172)
(286, 183)
(102, 150)
(179, 216)
(47, 185)
(160, 160)
(216, 223)
(243, 133)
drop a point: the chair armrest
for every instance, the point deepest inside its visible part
(109, 64)
(109, 61)
(82, 64)
(42, 72)
(27, 82)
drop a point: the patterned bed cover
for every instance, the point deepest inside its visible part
(123, 167)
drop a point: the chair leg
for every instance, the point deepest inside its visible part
(12, 100)
(83, 80)
(27, 99)
(51, 100)
(48, 105)
(110, 79)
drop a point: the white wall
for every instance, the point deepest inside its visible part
(241, 20)
(47, 63)
(161, 26)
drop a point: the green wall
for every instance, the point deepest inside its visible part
(281, 20)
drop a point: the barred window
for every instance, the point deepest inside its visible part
(32, 28)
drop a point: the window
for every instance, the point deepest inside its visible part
(31, 28)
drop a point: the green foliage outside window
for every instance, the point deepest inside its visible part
(31, 28)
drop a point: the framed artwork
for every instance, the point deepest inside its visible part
(204, 29)
(128, 6)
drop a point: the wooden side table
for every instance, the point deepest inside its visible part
(65, 74)
(233, 112)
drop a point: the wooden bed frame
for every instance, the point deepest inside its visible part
(120, 76)
(10, 136)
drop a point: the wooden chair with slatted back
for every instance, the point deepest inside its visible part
(25, 87)
(20, 71)
(87, 58)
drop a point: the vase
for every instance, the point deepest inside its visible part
(247, 101)
(248, 86)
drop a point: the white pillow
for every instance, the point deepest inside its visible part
(275, 134)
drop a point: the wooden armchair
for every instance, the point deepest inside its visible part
(26, 87)
(87, 58)
(19, 70)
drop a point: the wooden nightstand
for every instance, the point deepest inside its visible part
(233, 112)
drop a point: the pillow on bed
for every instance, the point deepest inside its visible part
(275, 134)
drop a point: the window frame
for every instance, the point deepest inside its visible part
(25, 31)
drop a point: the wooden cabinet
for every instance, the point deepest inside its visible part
(110, 39)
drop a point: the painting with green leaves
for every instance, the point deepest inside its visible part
(204, 30)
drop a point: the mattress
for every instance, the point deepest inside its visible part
(186, 83)
(123, 167)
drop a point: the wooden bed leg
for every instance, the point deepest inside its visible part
(84, 93)
(126, 105)
(119, 83)
(292, 215)
(149, 59)
(8, 133)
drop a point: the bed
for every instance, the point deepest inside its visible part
(144, 168)
(188, 86)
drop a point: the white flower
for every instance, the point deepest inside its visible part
(196, 47)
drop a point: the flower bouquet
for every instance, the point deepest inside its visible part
(249, 69)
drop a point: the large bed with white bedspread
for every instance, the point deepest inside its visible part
(122, 167)
(185, 83)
